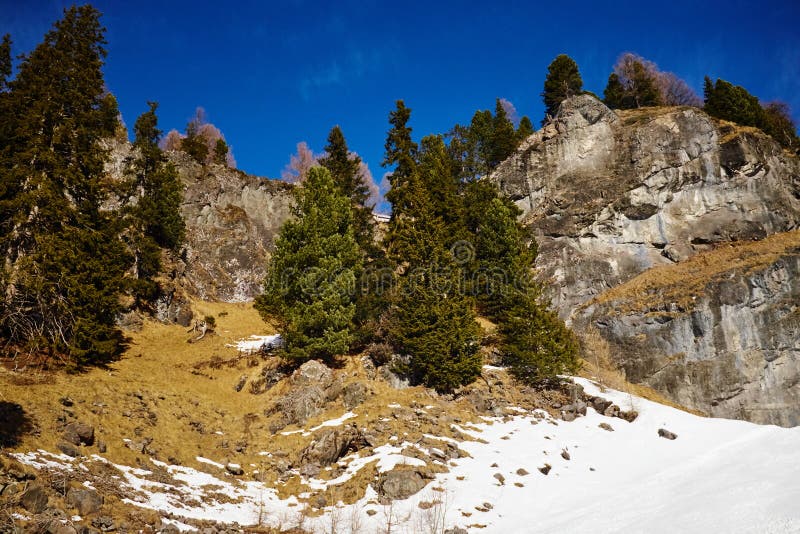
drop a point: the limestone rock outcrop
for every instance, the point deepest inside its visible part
(232, 221)
(672, 238)
(611, 195)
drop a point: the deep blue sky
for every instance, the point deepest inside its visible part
(271, 74)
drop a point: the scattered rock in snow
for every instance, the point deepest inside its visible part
(234, 469)
(606, 426)
(565, 455)
(331, 445)
(399, 484)
(522, 472)
(546, 469)
(500, 478)
(629, 416)
(664, 433)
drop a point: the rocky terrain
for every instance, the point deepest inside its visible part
(611, 195)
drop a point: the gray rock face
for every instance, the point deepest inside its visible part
(730, 350)
(232, 220)
(613, 195)
(610, 196)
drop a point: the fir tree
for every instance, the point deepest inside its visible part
(563, 81)
(504, 139)
(64, 259)
(310, 283)
(220, 152)
(524, 130)
(345, 168)
(404, 190)
(732, 103)
(194, 143)
(614, 93)
(153, 215)
(435, 325)
(536, 344)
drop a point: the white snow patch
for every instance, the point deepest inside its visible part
(209, 462)
(257, 343)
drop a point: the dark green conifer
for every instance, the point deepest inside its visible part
(221, 152)
(345, 168)
(524, 130)
(194, 143)
(311, 278)
(64, 259)
(614, 93)
(153, 213)
(563, 81)
(5, 62)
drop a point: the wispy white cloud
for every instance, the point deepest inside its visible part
(354, 65)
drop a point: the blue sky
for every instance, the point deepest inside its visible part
(271, 74)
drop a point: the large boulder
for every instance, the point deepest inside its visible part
(399, 484)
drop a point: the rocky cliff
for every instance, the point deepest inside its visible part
(662, 191)
(232, 220)
(719, 332)
(613, 194)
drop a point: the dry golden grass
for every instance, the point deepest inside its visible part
(681, 283)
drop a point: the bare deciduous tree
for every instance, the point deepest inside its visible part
(299, 164)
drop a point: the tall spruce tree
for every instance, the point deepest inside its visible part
(563, 81)
(345, 168)
(311, 277)
(153, 213)
(65, 261)
(401, 152)
(431, 320)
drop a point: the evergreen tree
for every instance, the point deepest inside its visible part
(64, 259)
(777, 122)
(524, 129)
(536, 344)
(345, 168)
(194, 143)
(643, 89)
(563, 81)
(5, 62)
(434, 323)
(614, 93)
(404, 190)
(310, 283)
(504, 139)
(220, 152)
(153, 215)
(431, 320)
(439, 182)
(732, 103)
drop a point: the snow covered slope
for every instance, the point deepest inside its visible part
(717, 476)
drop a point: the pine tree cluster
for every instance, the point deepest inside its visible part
(453, 250)
(69, 259)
